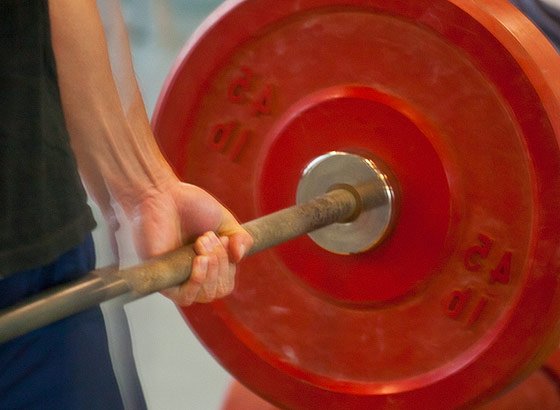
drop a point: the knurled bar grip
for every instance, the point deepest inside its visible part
(174, 267)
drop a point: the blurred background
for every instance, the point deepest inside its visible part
(175, 370)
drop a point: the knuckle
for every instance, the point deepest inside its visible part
(213, 262)
(197, 279)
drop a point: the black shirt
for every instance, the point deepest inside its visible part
(43, 206)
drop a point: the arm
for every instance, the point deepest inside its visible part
(120, 162)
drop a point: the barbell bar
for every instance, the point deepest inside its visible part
(336, 206)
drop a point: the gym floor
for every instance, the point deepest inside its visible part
(175, 370)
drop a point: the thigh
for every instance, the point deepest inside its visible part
(62, 366)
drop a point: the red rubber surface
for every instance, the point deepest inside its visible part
(540, 391)
(459, 99)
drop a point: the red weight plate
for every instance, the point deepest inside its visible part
(540, 391)
(459, 99)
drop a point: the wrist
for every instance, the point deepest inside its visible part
(134, 187)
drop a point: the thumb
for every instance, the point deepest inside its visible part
(240, 241)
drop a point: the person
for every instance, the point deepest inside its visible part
(66, 106)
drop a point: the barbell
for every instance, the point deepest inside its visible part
(458, 100)
(346, 204)
(443, 293)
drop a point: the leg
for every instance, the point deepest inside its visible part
(65, 365)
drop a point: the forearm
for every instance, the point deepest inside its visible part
(119, 158)
(122, 66)
(114, 156)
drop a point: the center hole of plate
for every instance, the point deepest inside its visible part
(345, 170)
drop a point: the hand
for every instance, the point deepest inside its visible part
(178, 213)
(119, 158)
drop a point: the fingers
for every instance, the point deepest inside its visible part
(239, 244)
(188, 292)
(216, 284)
(198, 288)
(229, 268)
(212, 275)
